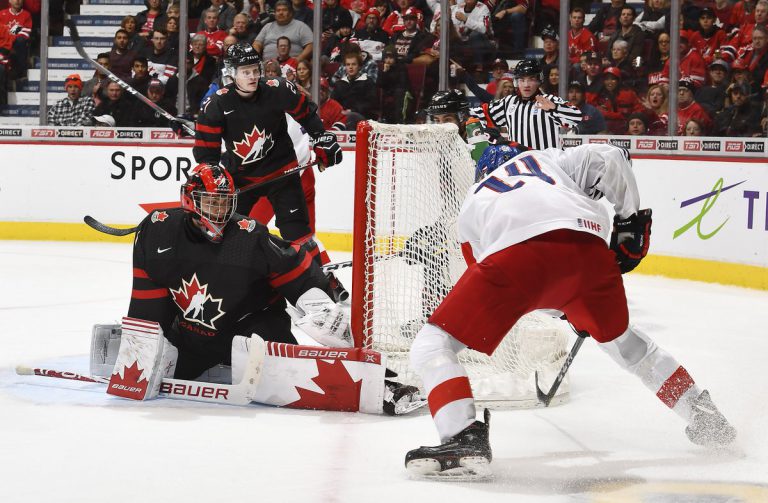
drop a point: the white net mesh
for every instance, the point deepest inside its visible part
(416, 180)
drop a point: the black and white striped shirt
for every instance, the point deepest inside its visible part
(526, 123)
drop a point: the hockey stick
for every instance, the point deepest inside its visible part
(115, 231)
(546, 398)
(73, 33)
(181, 389)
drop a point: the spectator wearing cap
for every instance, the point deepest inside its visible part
(19, 23)
(355, 91)
(471, 23)
(148, 117)
(392, 88)
(105, 120)
(372, 29)
(550, 40)
(510, 23)
(709, 37)
(499, 70)
(75, 109)
(629, 32)
(342, 35)
(592, 121)
(330, 111)
(580, 39)
(592, 82)
(687, 108)
(637, 124)
(742, 37)
(712, 95)
(284, 26)
(412, 40)
(742, 117)
(691, 65)
(606, 20)
(616, 101)
(303, 12)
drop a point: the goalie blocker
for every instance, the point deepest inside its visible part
(279, 374)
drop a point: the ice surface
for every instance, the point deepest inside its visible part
(614, 441)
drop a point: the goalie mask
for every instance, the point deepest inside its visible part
(210, 196)
(494, 156)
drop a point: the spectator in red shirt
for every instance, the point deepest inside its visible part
(213, 35)
(687, 108)
(723, 10)
(709, 37)
(754, 57)
(743, 36)
(331, 112)
(498, 71)
(19, 23)
(615, 101)
(580, 39)
(692, 65)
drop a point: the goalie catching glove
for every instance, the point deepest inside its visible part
(630, 239)
(327, 150)
(321, 319)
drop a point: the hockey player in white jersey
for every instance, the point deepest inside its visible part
(534, 234)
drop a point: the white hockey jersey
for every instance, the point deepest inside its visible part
(541, 191)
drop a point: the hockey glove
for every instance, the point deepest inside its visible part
(322, 319)
(182, 127)
(327, 150)
(630, 239)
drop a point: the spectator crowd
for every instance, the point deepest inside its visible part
(380, 59)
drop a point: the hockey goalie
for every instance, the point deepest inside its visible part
(213, 288)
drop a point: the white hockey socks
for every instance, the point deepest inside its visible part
(144, 359)
(660, 372)
(433, 357)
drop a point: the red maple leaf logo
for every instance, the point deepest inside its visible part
(341, 392)
(159, 216)
(254, 147)
(246, 225)
(130, 385)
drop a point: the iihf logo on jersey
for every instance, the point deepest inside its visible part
(196, 303)
(255, 146)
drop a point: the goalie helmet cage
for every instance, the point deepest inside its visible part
(410, 181)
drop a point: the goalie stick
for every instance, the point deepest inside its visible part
(116, 231)
(547, 397)
(181, 389)
(73, 33)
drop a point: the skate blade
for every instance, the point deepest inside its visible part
(407, 407)
(471, 468)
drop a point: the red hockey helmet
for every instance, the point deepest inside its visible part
(210, 195)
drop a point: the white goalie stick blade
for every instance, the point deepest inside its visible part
(470, 469)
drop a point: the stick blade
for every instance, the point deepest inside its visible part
(543, 397)
(73, 33)
(112, 231)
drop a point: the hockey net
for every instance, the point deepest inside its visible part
(410, 181)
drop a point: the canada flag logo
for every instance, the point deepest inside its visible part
(254, 147)
(196, 303)
(158, 216)
(247, 224)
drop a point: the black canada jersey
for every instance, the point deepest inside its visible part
(178, 275)
(254, 130)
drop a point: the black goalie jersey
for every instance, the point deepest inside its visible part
(204, 293)
(254, 130)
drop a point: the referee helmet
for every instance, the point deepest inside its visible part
(529, 67)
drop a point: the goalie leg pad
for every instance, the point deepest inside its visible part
(433, 357)
(105, 344)
(144, 359)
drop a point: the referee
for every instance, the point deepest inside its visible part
(531, 117)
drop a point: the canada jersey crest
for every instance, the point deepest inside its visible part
(254, 147)
(196, 303)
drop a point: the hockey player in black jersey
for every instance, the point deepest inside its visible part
(206, 274)
(248, 115)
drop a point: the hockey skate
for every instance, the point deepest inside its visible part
(466, 456)
(401, 398)
(708, 426)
